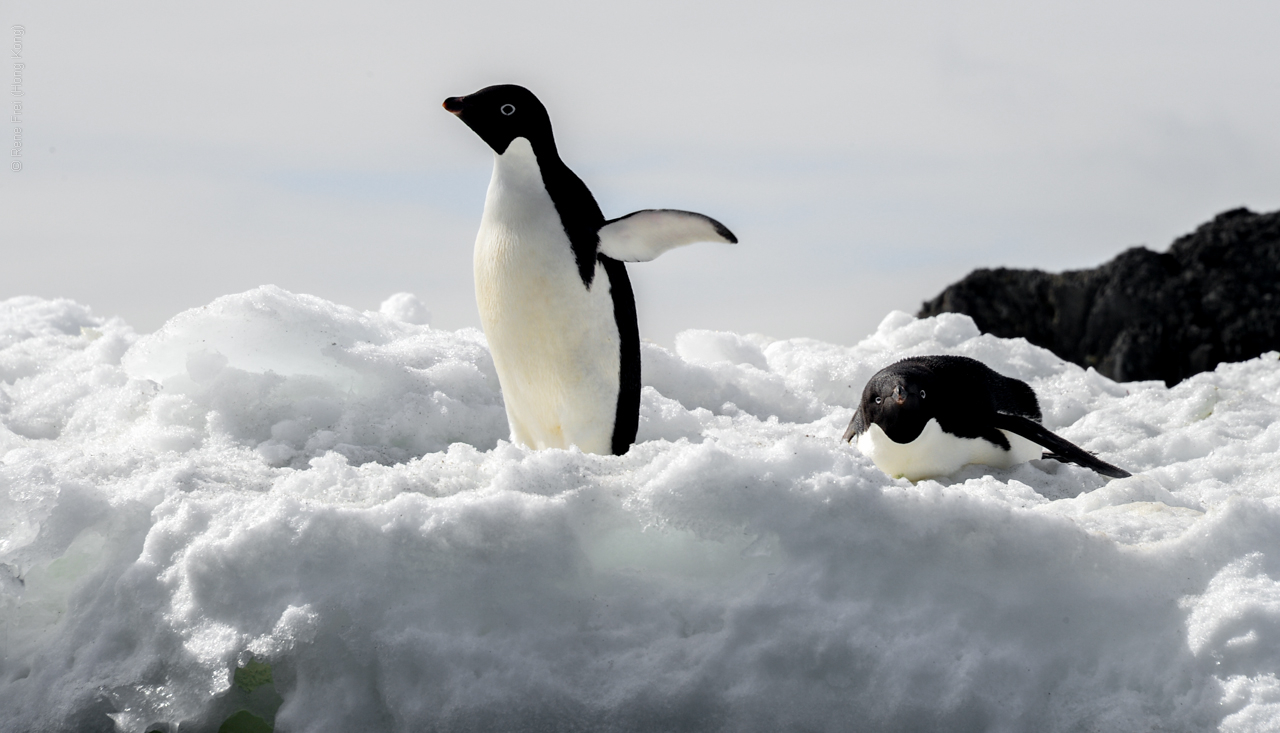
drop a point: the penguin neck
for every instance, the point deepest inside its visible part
(524, 171)
(524, 168)
(903, 426)
(523, 158)
(518, 167)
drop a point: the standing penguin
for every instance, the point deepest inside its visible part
(553, 292)
(927, 416)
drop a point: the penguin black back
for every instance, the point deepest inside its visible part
(626, 422)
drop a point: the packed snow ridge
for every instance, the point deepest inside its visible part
(276, 478)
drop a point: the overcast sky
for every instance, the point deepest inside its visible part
(866, 154)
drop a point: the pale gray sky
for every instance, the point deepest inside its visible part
(866, 154)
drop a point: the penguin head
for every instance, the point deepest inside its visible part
(899, 401)
(502, 113)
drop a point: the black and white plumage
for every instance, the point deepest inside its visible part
(554, 297)
(927, 416)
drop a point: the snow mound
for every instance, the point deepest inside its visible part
(275, 479)
(295, 377)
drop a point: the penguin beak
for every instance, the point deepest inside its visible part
(898, 396)
(454, 104)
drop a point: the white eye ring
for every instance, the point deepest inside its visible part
(507, 109)
(922, 394)
(879, 400)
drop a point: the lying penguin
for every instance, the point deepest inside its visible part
(927, 416)
(553, 292)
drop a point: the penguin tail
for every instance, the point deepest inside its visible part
(1059, 448)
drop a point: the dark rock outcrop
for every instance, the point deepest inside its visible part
(1213, 297)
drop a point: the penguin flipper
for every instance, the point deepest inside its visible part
(857, 426)
(643, 235)
(1061, 449)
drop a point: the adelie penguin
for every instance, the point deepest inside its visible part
(927, 416)
(553, 292)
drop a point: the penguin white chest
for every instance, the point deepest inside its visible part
(937, 453)
(554, 341)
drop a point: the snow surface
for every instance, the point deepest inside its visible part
(276, 477)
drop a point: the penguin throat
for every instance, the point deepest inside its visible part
(902, 426)
(521, 168)
(519, 159)
(578, 211)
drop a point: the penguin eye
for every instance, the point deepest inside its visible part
(922, 394)
(507, 109)
(879, 400)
